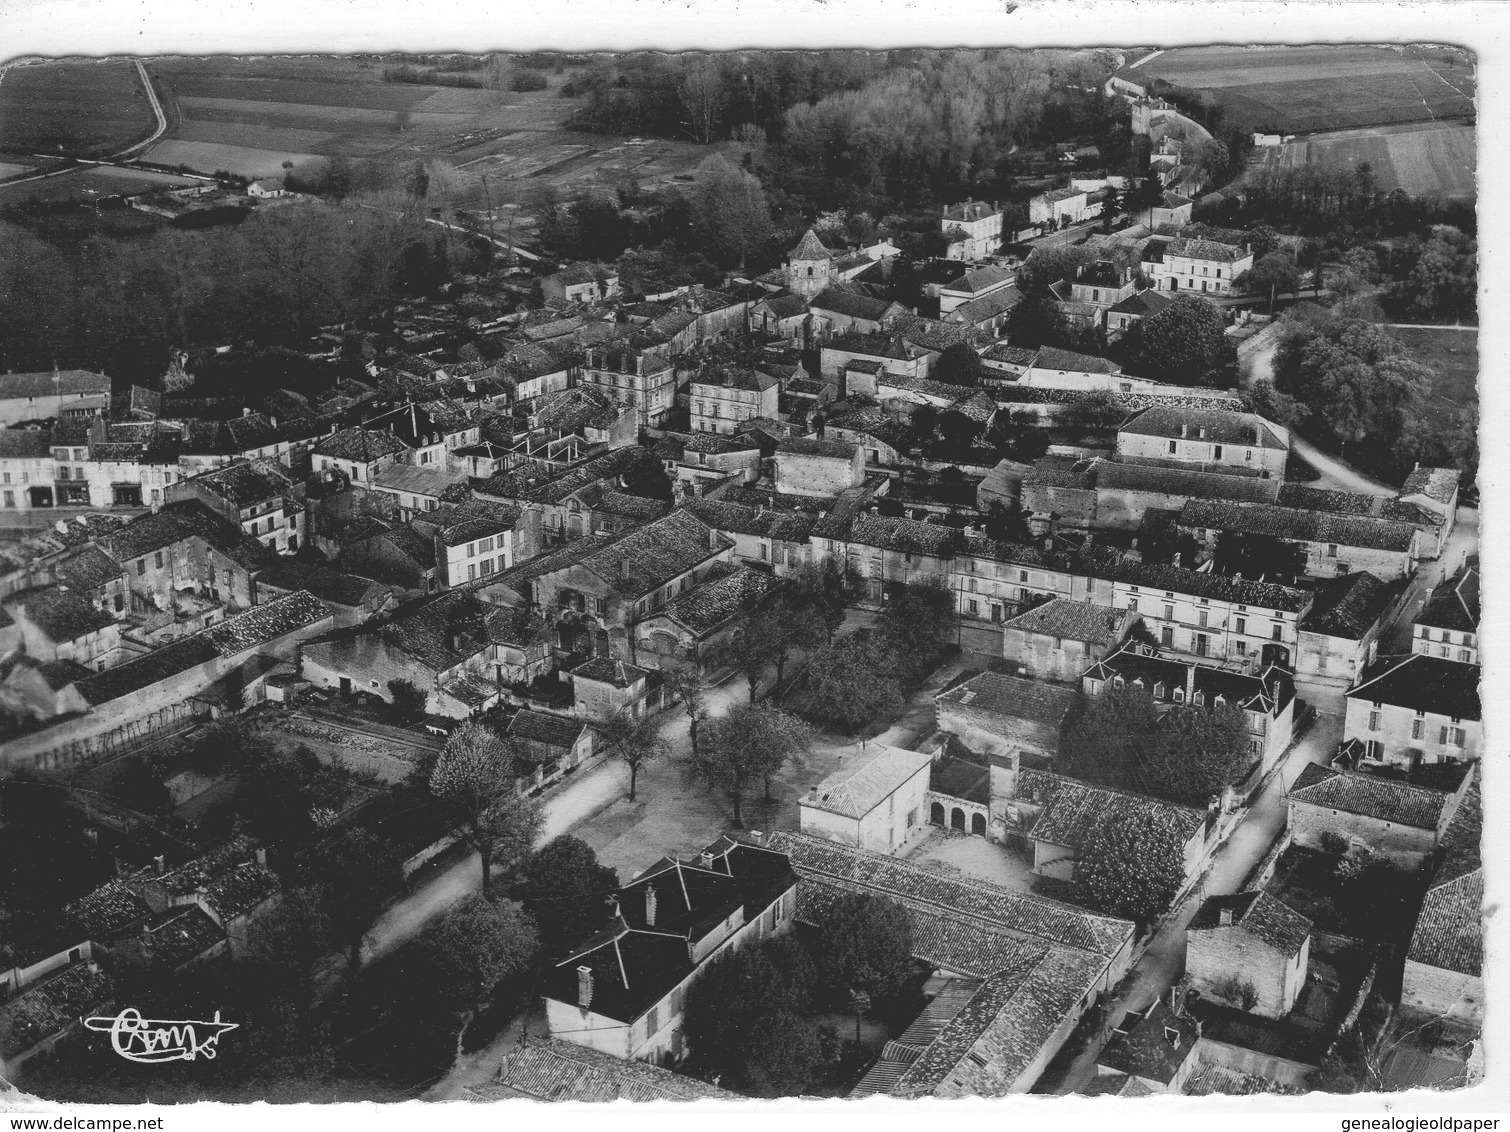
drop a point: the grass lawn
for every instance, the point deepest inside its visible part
(1454, 356)
(73, 109)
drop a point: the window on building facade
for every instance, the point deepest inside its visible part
(1166, 637)
(1240, 625)
(1132, 604)
(1373, 721)
(1203, 618)
(1417, 728)
(1277, 632)
(141, 567)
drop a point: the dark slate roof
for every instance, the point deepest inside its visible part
(1077, 620)
(1259, 914)
(1291, 523)
(360, 445)
(1371, 796)
(631, 971)
(905, 535)
(1245, 429)
(812, 446)
(1454, 604)
(1423, 683)
(62, 614)
(1073, 810)
(1015, 697)
(1349, 606)
(543, 727)
(1269, 691)
(1440, 484)
(1143, 304)
(606, 670)
(556, 1070)
(1223, 587)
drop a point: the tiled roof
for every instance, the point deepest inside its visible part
(1371, 796)
(1423, 683)
(1014, 697)
(1223, 587)
(606, 670)
(107, 911)
(62, 614)
(245, 484)
(739, 518)
(1349, 606)
(1449, 932)
(1454, 604)
(872, 421)
(1061, 471)
(1439, 484)
(1309, 498)
(810, 247)
(25, 443)
(1259, 914)
(721, 596)
(1193, 483)
(854, 305)
(67, 382)
(542, 727)
(1013, 355)
(650, 556)
(784, 306)
(987, 306)
(321, 581)
(1246, 429)
(731, 377)
(1143, 304)
(88, 569)
(906, 535)
(361, 445)
(1144, 1049)
(1291, 523)
(980, 279)
(855, 790)
(1006, 910)
(562, 1071)
(968, 211)
(1076, 620)
(1072, 810)
(1207, 250)
(52, 1006)
(180, 935)
(812, 446)
(417, 481)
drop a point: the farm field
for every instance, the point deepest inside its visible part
(1307, 89)
(1454, 356)
(11, 169)
(91, 184)
(73, 109)
(1422, 158)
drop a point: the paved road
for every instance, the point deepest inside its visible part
(1164, 960)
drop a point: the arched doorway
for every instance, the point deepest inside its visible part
(957, 819)
(936, 815)
(978, 824)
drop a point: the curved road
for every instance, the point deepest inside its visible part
(157, 109)
(1257, 364)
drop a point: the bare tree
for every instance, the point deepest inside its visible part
(702, 96)
(688, 688)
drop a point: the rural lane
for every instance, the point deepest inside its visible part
(157, 109)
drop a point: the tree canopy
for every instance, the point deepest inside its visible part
(864, 944)
(566, 890)
(475, 775)
(750, 743)
(1184, 344)
(1131, 866)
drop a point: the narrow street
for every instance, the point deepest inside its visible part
(1164, 960)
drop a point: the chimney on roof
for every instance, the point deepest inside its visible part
(1184, 430)
(1172, 1036)
(262, 857)
(1225, 917)
(584, 988)
(161, 864)
(1189, 682)
(706, 860)
(650, 905)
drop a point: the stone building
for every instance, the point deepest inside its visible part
(1390, 817)
(1249, 950)
(1448, 624)
(1203, 436)
(1444, 966)
(1416, 709)
(877, 801)
(1060, 639)
(993, 714)
(809, 466)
